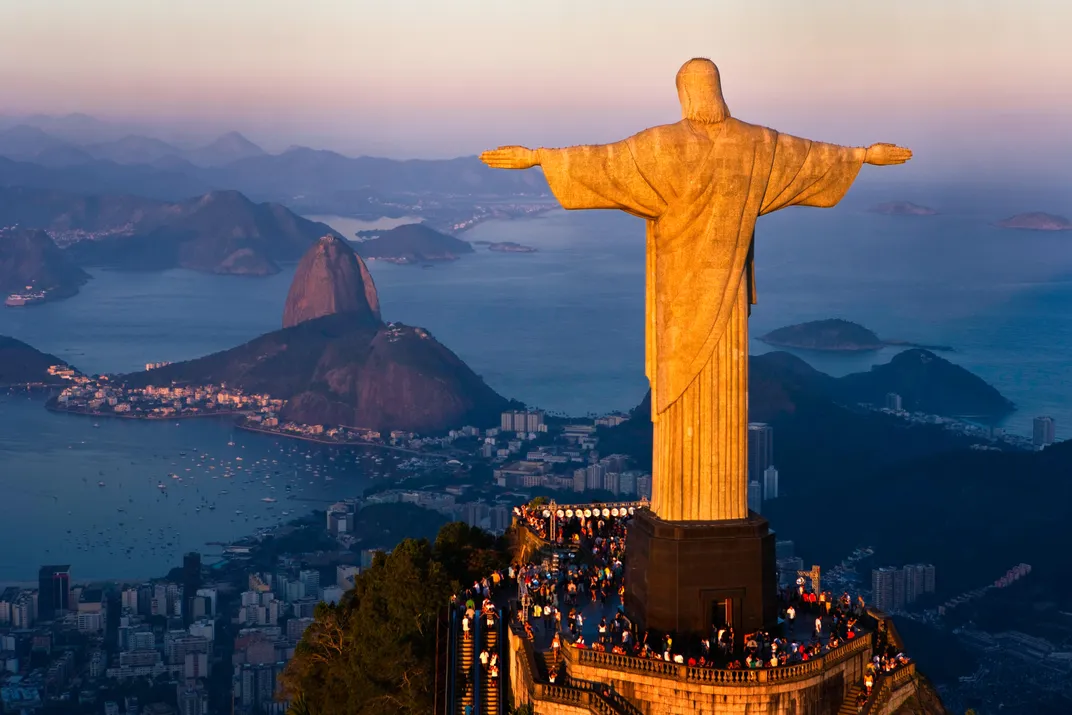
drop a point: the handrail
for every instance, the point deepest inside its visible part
(715, 676)
(887, 683)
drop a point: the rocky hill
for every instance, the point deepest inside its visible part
(219, 232)
(1036, 221)
(20, 364)
(31, 262)
(330, 279)
(337, 363)
(413, 243)
(926, 383)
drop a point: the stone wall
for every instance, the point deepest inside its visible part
(816, 687)
(659, 688)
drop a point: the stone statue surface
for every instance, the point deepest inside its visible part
(700, 183)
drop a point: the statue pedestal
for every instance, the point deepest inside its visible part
(685, 576)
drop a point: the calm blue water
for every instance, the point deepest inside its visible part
(56, 511)
(561, 328)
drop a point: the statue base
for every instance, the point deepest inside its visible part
(685, 576)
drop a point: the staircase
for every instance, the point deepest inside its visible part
(848, 705)
(490, 688)
(464, 675)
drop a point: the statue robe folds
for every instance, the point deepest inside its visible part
(701, 188)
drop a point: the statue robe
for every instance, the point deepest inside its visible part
(701, 188)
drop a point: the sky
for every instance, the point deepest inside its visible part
(980, 83)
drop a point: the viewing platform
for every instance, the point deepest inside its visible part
(572, 677)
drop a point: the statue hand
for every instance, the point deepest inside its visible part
(511, 157)
(887, 154)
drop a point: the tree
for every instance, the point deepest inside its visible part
(373, 653)
(468, 552)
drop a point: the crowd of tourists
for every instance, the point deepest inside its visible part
(557, 598)
(554, 603)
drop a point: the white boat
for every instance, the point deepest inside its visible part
(268, 499)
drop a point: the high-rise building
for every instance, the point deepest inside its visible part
(627, 483)
(893, 402)
(580, 479)
(755, 497)
(784, 549)
(54, 591)
(612, 482)
(919, 579)
(643, 486)
(191, 581)
(770, 483)
(760, 450)
(595, 476)
(888, 589)
(1042, 433)
(521, 421)
(192, 700)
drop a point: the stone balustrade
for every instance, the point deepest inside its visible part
(886, 689)
(716, 676)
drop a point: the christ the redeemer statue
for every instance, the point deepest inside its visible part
(700, 183)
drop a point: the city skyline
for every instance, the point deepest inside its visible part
(367, 80)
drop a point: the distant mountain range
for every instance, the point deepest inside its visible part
(219, 232)
(24, 142)
(70, 154)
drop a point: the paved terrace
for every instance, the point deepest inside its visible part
(569, 552)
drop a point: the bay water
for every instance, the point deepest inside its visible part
(561, 329)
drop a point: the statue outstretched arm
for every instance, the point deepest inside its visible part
(600, 176)
(808, 173)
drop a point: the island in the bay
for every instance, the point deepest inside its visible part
(1036, 221)
(835, 335)
(410, 243)
(902, 208)
(33, 269)
(505, 246)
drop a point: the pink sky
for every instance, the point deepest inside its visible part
(983, 78)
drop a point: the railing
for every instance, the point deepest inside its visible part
(887, 683)
(716, 676)
(575, 692)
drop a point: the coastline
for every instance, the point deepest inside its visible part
(52, 406)
(333, 443)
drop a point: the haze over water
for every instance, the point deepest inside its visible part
(561, 329)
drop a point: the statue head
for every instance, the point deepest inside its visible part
(700, 90)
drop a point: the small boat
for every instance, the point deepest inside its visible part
(100, 484)
(268, 499)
